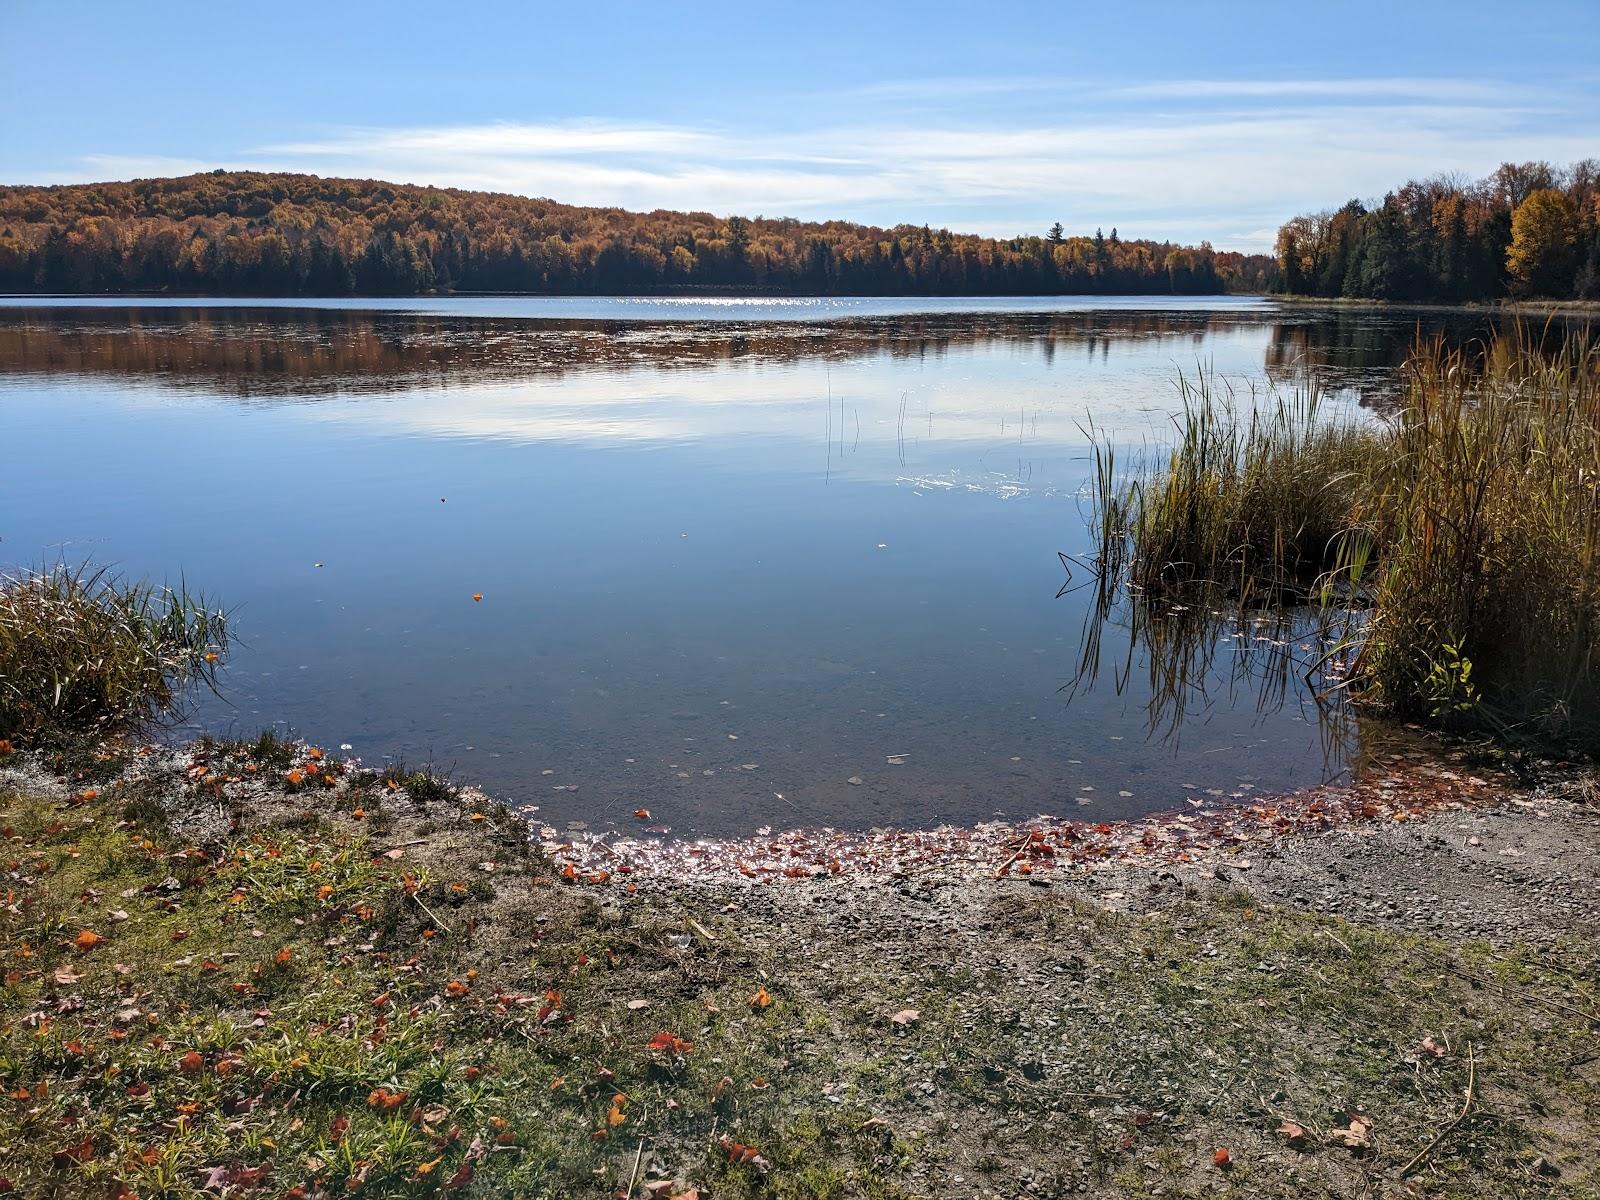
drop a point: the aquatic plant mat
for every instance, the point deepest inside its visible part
(240, 970)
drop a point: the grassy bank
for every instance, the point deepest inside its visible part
(1465, 527)
(86, 653)
(250, 970)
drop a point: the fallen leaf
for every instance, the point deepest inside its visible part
(68, 1155)
(1356, 1135)
(669, 1043)
(762, 998)
(1222, 1159)
(1293, 1132)
(906, 1016)
(66, 976)
(87, 939)
(382, 1099)
(738, 1152)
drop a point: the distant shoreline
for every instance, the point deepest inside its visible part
(1496, 307)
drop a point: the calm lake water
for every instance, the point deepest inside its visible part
(743, 562)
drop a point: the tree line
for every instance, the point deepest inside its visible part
(1529, 230)
(251, 233)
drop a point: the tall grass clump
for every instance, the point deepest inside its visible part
(1464, 527)
(1257, 499)
(85, 652)
(1487, 522)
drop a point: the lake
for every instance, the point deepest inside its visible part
(742, 562)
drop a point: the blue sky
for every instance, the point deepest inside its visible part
(1185, 120)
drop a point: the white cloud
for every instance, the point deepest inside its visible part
(1222, 168)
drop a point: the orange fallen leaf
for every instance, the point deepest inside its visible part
(669, 1043)
(383, 1100)
(191, 1063)
(642, 813)
(761, 999)
(1222, 1159)
(87, 939)
(740, 1153)
(477, 597)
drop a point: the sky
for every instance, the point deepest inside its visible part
(1204, 120)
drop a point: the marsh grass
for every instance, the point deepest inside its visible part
(83, 651)
(1453, 545)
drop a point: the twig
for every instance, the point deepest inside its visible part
(1015, 854)
(402, 845)
(634, 1174)
(1472, 1078)
(429, 911)
(1328, 933)
(702, 930)
(1509, 990)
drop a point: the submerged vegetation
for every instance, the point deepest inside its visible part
(83, 652)
(1457, 540)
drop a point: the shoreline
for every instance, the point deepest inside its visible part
(1557, 308)
(349, 982)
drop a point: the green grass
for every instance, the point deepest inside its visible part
(1462, 531)
(266, 976)
(85, 652)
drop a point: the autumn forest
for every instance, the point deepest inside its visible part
(1528, 230)
(296, 234)
(246, 233)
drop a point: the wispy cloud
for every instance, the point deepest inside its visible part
(1225, 166)
(1433, 89)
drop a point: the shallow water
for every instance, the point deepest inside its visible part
(742, 562)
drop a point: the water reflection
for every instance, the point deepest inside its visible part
(288, 352)
(736, 572)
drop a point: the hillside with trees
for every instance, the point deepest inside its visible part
(1530, 230)
(246, 233)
